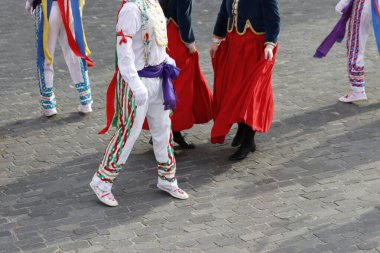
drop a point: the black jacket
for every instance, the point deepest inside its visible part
(180, 12)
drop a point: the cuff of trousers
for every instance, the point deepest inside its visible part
(358, 89)
(104, 186)
(168, 185)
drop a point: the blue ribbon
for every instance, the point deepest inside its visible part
(39, 44)
(78, 29)
(376, 24)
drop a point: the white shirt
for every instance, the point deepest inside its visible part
(131, 57)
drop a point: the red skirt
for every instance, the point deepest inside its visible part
(194, 105)
(242, 85)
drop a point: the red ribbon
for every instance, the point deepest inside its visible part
(123, 37)
(65, 14)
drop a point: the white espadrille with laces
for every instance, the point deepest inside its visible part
(106, 197)
(49, 112)
(175, 191)
(85, 108)
(353, 96)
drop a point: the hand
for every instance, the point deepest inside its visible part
(170, 61)
(341, 5)
(192, 48)
(141, 95)
(29, 7)
(339, 8)
(268, 52)
(213, 49)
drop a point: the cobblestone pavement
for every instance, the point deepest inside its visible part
(312, 186)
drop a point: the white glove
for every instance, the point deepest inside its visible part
(170, 61)
(341, 5)
(29, 7)
(141, 95)
(268, 52)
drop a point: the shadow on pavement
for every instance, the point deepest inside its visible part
(57, 203)
(311, 122)
(335, 155)
(30, 125)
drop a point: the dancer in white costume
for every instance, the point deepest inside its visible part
(141, 88)
(358, 31)
(53, 24)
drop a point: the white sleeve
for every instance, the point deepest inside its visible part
(129, 22)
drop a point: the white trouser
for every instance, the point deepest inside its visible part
(75, 64)
(358, 32)
(131, 120)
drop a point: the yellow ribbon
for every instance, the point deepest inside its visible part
(88, 52)
(46, 32)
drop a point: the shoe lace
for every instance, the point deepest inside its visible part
(179, 190)
(108, 195)
(104, 194)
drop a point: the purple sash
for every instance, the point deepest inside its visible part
(168, 73)
(337, 34)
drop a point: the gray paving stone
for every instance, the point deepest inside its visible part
(75, 245)
(251, 236)
(47, 250)
(368, 245)
(92, 249)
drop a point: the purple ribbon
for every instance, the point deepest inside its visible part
(167, 73)
(337, 34)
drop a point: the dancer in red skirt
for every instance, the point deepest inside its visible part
(244, 51)
(194, 96)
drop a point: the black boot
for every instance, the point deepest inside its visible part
(238, 139)
(180, 140)
(248, 145)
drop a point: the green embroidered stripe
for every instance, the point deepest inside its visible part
(171, 180)
(119, 133)
(130, 121)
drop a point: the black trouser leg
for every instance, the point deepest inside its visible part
(247, 145)
(180, 140)
(238, 139)
(249, 137)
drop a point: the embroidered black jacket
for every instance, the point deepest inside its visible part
(180, 12)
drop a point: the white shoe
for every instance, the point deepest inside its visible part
(353, 96)
(85, 108)
(106, 198)
(49, 112)
(176, 192)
